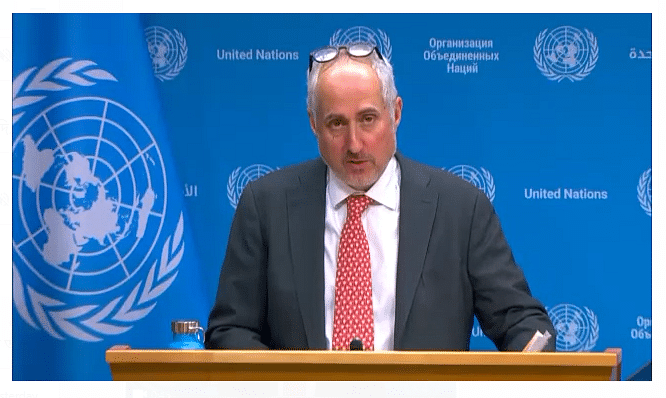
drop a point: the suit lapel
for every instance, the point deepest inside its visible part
(417, 213)
(306, 213)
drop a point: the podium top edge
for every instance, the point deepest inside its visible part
(128, 355)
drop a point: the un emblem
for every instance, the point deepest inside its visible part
(238, 179)
(566, 53)
(577, 330)
(167, 50)
(89, 208)
(364, 34)
(480, 179)
(644, 189)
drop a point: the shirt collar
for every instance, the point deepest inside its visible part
(384, 191)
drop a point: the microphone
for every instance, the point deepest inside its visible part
(356, 344)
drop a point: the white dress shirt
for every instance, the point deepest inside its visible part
(380, 222)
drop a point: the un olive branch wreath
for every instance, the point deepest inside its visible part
(642, 192)
(490, 183)
(594, 330)
(232, 195)
(386, 44)
(48, 79)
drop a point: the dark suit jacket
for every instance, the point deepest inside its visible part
(453, 263)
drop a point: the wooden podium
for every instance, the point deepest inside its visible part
(132, 364)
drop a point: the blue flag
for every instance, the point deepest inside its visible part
(102, 254)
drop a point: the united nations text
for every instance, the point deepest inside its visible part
(256, 54)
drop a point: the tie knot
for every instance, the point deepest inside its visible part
(356, 204)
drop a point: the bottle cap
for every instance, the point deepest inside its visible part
(184, 326)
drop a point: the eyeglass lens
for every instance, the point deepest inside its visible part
(326, 54)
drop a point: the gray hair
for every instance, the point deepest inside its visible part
(382, 67)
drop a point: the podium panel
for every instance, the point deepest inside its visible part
(131, 364)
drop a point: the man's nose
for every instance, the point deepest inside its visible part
(354, 144)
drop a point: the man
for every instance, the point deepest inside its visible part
(364, 246)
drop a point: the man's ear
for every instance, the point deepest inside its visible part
(397, 115)
(312, 122)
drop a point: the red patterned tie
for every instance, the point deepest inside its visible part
(353, 282)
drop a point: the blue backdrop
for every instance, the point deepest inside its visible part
(133, 136)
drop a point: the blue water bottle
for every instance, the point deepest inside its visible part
(187, 335)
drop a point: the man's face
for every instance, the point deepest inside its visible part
(354, 127)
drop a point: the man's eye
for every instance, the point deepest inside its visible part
(368, 118)
(335, 123)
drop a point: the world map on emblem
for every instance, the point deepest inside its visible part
(91, 195)
(363, 34)
(481, 179)
(240, 178)
(162, 46)
(168, 51)
(566, 50)
(577, 329)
